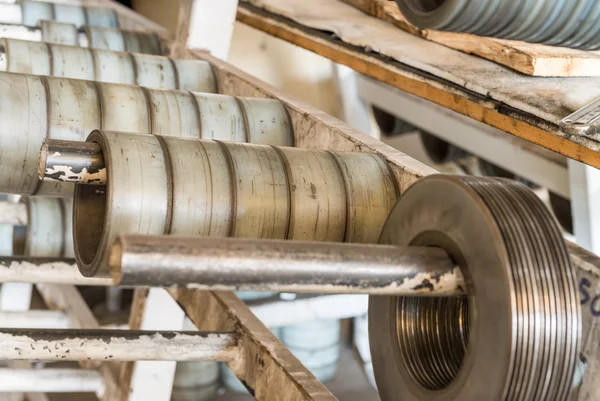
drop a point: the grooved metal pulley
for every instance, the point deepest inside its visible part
(568, 23)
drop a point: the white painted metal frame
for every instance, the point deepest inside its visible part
(572, 180)
(473, 136)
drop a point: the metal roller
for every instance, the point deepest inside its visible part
(555, 22)
(193, 187)
(49, 230)
(440, 151)
(516, 335)
(35, 108)
(88, 36)
(30, 13)
(121, 40)
(40, 58)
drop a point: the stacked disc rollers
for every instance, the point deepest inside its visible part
(88, 36)
(30, 13)
(40, 58)
(561, 23)
(34, 108)
(168, 185)
(516, 336)
(49, 230)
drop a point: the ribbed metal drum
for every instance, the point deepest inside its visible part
(34, 108)
(88, 36)
(361, 341)
(561, 23)
(192, 187)
(120, 40)
(30, 13)
(317, 346)
(517, 334)
(41, 58)
(49, 230)
(440, 151)
(195, 381)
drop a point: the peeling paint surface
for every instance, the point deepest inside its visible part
(59, 271)
(103, 345)
(66, 174)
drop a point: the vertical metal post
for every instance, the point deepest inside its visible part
(585, 199)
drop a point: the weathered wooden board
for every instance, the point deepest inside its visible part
(527, 107)
(529, 58)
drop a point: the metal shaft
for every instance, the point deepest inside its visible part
(116, 345)
(68, 161)
(283, 266)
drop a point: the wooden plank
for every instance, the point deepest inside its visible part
(525, 107)
(265, 366)
(529, 58)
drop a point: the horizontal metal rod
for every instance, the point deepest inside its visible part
(283, 266)
(50, 381)
(46, 271)
(116, 345)
(69, 161)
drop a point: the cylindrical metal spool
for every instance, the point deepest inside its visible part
(371, 192)
(258, 175)
(30, 13)
(39, 58)
(34, 108)
(225, 189)
(318, 196)
(264, 125)
(54, 32)
(121, 40)
(440, 151)
(561, 23)
(49, 231)
(195, 381)
(316, 345)
(511, 251)
(94, 37)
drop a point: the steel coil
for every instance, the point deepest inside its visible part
(553, 22)
(517, 335)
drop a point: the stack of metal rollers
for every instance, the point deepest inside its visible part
(151, 166)
(554, 22)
